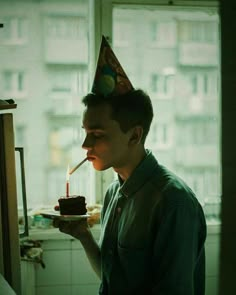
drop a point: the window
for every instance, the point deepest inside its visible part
(48, 121)
(203, 132)
(65, 146)
(61, 141)
(159, 47)
(180, 58)
(123, 31)
(162, 85)
(162, 33)
(62, 83)
(205, 183)
(15, 30)
(160, 137)
(204, 84)
(198, 31)
(66, 27)
(66, 89)
(14, 83)
(68, 82)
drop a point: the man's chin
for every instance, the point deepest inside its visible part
(100, 167)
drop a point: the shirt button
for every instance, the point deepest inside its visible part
(118, 210)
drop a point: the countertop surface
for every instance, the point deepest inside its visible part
(55, 234)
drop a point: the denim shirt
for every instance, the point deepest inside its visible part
(153, 235)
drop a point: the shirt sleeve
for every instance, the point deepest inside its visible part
(179, 247)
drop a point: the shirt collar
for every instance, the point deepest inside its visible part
(139, 176)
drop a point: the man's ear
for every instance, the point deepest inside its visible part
(136, 135)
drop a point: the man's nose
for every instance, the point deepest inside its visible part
(88, 143)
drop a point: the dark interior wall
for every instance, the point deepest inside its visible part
(228, 213)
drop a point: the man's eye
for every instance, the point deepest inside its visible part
(98, 135)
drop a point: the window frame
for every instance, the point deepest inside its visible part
(103, 26)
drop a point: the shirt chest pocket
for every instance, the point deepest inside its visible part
(135, 263)
(133, 233)
(132, 245)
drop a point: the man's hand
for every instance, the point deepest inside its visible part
(81, 231)
(77, 229)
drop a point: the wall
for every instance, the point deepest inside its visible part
(228, 241)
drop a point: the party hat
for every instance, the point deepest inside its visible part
(110, 78)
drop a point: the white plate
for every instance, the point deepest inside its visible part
(56, 214)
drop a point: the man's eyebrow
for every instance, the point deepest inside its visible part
(93, 127)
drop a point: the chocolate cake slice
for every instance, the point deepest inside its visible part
(73, 205)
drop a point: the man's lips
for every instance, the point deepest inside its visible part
(90, 158)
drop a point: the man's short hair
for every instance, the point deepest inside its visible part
(129, 110)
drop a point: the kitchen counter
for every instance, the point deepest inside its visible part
(55, 234)
(213, 228)
(67, 266)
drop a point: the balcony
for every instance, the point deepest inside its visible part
(198, 156)
(197, 106)
(59, 51)
(198, 54)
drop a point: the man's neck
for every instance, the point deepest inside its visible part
(134, 160)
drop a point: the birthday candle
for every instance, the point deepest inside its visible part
(68, 182)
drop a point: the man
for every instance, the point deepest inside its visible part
(152, 226)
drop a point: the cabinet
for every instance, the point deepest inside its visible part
(27, 277)
(9, 235)
(67, 270)
(212, 263)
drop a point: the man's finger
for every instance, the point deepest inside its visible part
(56, 222)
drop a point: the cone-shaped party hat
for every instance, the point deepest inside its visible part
(110, 78)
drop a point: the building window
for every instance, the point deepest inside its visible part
(62, 83)
(66, 89)
(198, 31)
(163, 135)
(206, 186)
(160, 136)
(61, 142)
(186, 134)
(204, 84)
(15, 30)
(65, 146)
(203, 132)
(151, 50)
(69, 82)
(14, 83)
(162, 85)
(66, 27)
(162, 33)
(123, 31)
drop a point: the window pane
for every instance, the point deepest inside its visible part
(15, 28)
(52, 65)
(175, 58)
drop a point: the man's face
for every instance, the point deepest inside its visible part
(107, 146)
